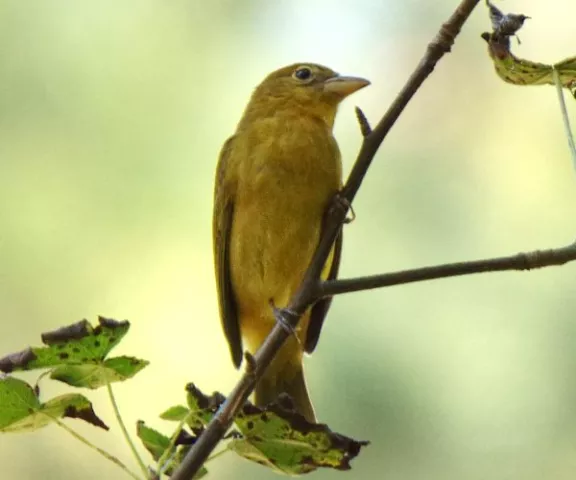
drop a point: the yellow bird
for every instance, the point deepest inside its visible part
(275, 178)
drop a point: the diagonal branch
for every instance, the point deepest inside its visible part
(305, 295)
(521, 261)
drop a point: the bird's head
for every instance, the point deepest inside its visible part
(303, 89)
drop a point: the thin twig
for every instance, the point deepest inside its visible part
(125, 432)
(521, 261)
(304, 296)
(365, 127)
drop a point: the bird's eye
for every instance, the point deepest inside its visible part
(303, 74)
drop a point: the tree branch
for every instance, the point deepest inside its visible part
(520, 261)
(305, 295)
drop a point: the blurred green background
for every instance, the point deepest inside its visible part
(111, 118)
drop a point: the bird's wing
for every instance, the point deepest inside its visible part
(221, 229)
(320, 308)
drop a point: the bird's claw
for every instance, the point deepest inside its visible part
(343, 204)
(282, 315)
(352, 217)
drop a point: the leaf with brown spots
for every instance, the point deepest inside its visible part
(277, 436)
(518, 71)
(202, 407)
(22, 411)
(77, 354)
(200, 410)
(282, 439)
(96, 375)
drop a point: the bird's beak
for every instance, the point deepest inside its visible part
(344, 86)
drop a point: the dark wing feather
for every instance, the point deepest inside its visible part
(320, 308)
(222, 227)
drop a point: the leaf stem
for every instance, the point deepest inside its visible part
(565, 117)
(217, 454)
(104, 453)
(163, 460)
(125, 432)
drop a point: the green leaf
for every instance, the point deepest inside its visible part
(77, 353)
(277, 436)
(283, 440)
(526, 72)
(95, 376)
(518, 71)
(175, 414)
(21, 409)
(201, 408)
(156, 443)
(17, 400)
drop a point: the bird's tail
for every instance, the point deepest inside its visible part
(288, 379)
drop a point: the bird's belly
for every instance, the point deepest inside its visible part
(272, 244)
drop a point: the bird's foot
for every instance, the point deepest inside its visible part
(282, 316)
(343, 204)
